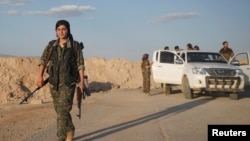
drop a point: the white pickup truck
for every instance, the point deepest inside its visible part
(200, 72)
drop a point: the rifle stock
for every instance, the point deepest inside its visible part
(30, 94)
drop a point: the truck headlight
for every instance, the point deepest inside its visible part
(239, 71)
(199, 71)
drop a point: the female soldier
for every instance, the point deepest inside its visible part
(66, 68)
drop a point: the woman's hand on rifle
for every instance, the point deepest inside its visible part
(40, 76)
(81, 83)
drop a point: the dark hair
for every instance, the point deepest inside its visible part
(176, 47)
(196, 47)
(224, 42)
(144, 56)
(67, 25)
(189, 45)
(166, 48)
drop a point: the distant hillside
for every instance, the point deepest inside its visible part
(5, 55)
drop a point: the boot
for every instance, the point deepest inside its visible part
(70, 136)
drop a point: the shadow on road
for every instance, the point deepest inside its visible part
(246, 93)
(100, 86)
(160, 91)
(176, 90)
(171, 111)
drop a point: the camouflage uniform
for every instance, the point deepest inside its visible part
(227, 53)
(63, 94)
(146, 76)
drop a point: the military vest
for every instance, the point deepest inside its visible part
(66, 69)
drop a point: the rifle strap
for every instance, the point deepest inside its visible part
(49, 55)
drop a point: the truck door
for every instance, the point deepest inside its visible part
(165, 70)
(156, 66)
(243, 58)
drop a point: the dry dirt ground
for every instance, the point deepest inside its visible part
(127, 114)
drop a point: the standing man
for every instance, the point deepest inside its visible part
(146, 72)
(226, 51)
(65, 69)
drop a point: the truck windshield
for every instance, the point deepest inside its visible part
(205, 57)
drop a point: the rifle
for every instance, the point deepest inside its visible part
(81, 95)
(46, 80)
(30, 94)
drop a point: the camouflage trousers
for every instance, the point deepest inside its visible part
(63, 101)
(146, 82)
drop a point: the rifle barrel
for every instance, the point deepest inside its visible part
(30, 94)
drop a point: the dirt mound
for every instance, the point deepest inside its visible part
(19, 74)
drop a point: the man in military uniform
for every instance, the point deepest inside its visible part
(65, 69)
(146, 72)
(226, 51)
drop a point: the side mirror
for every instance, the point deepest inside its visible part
(235, 62)
(178, 61)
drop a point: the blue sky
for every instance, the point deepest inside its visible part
(125, 28)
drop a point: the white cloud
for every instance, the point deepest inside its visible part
(62, 11)
(72, 8)
(33, 12)
(14, 2)
(12, 12)
(173, 16)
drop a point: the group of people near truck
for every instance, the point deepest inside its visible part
(146, 64)
(188, 47)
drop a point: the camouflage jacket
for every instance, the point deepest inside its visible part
(64, 63)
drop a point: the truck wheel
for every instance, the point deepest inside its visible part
(234, 96)
(167, 89)
(188, 93)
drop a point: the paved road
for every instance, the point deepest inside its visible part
(129, 115)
